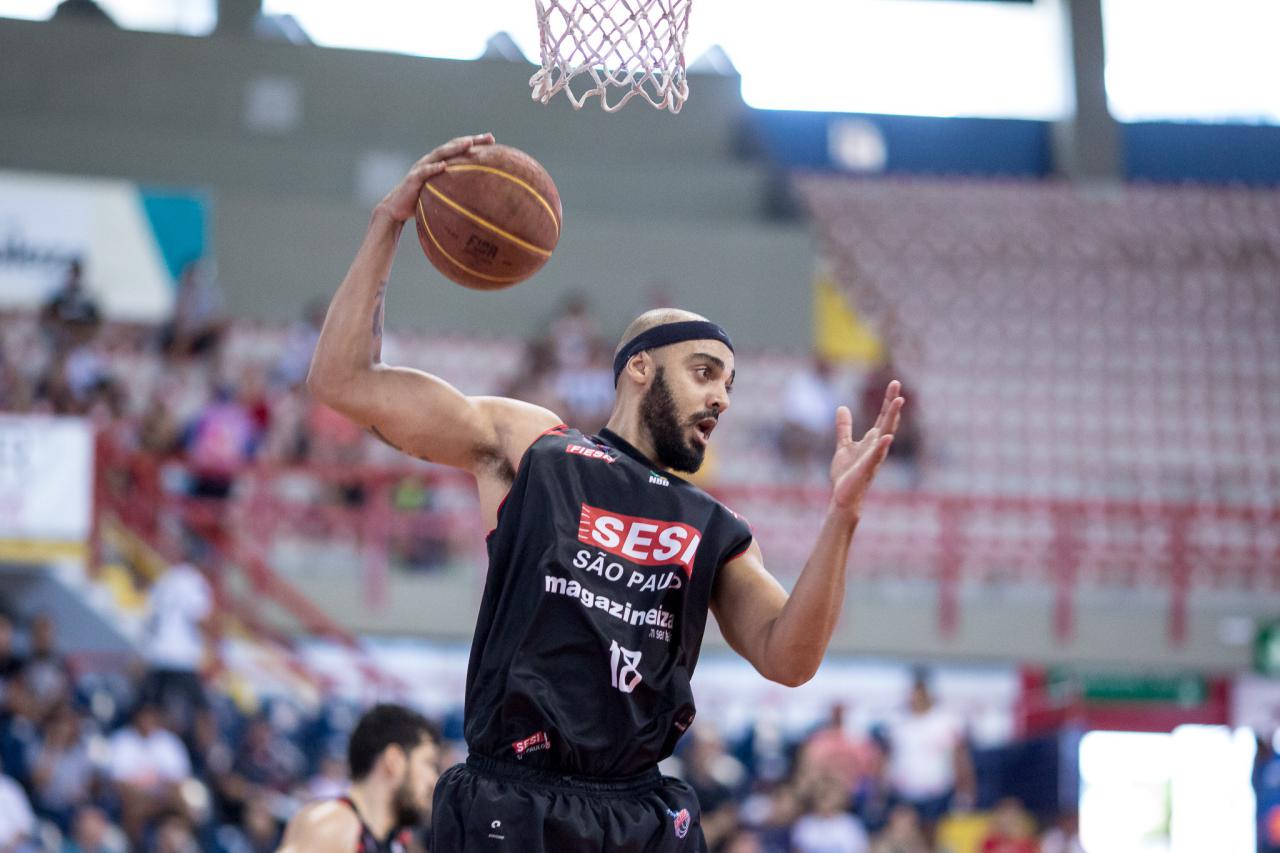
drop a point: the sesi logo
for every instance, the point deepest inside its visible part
(533, 743)
(645, 541)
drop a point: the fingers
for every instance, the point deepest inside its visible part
(844, 426)
(460, 145)
(890, 409)
(854, 483)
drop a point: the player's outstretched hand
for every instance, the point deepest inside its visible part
(855, 462)
(402, 201)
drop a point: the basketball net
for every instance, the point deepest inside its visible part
(616, 49)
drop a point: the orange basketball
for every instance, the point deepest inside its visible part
(491, 220)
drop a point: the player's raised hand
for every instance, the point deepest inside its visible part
(402, 201)
(855, 463)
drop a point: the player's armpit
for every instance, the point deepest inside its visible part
(328, 827)
(747, 601)
(424, 416)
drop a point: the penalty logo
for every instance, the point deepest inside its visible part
(681, 821)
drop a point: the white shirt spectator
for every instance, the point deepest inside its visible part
(178, 603)
(810, 400)
(841, 833)
(17, 821)
(922, 753)
(148, 761)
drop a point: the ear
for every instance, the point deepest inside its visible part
(640, 368)
(395, 761)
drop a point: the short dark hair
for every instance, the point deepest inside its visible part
(383, 726)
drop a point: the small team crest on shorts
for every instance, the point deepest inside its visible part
(680, 820)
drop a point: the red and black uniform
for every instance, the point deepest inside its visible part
(369, 843)
(600, 576)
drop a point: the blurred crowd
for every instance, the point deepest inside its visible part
(171, 389)
(148, 757)
(66, 360)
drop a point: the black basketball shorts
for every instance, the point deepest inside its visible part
(487, 805)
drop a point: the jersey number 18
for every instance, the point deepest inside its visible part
(622, 667)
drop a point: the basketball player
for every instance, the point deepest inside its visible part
(394, 756)
(603, 564)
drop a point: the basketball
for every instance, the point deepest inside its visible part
(491, 220)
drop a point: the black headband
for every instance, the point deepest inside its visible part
(665, 335)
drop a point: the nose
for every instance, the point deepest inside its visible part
(718, 401)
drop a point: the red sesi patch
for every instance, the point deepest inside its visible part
(533, 743)
(644, 541)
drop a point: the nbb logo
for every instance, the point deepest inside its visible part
(644, 541)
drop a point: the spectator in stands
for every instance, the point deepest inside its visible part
(19, 728)
(198, 324)
(257, 832)
(1012, 829)
(874, 798)
(902, 833)
(1064, 837)
(907, 448)
(62, 774)
(1266, 793)
(586, 389)
(93, 832)
(265, 763)
(17, 820)
(147, 767)
(717, 779)
(574, 333)
(775, 827)
(178, 631)
(46, 672)
(329, 781)
(929, 762)
(827, 826)
(831, 751)
(743, 841)
(299, 344)
(221, 441)
(159, 432)
(71, 316)
(535, 382)
(808, 408)
(10, 661)
(174, 833)
(17, 392)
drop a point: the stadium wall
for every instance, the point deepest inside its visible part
(293, 145)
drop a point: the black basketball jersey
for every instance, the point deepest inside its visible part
(600, 576)
(369, 843)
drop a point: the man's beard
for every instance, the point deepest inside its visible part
(659, 416)
(407, 811)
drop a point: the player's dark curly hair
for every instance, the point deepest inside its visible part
(383, 726)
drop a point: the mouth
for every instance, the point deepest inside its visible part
(702, 430)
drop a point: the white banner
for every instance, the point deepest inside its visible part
(46, 221)
(46, 478)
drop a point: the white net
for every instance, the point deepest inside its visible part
(615, 49)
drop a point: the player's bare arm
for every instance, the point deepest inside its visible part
(785, 637)
(414, 411)
(325, 827)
